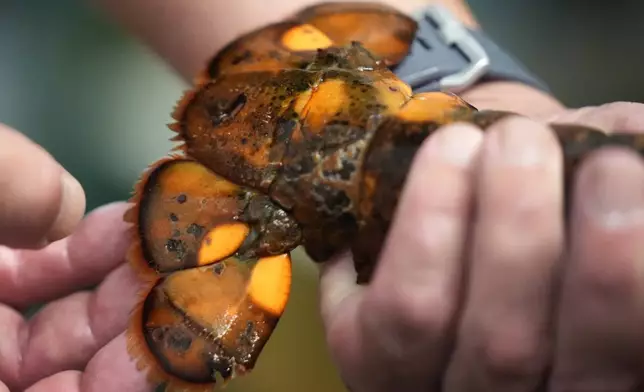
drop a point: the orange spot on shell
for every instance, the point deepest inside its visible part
(305, 37)
(270, 283)
(328, 98)
(381, 28)
(221, 242)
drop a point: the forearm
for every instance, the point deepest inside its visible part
(187, 34)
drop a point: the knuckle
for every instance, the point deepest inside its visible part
(538, 248)
(421, 312)
(436, 236)
(407, 319)
(624, 115)
(621, 106)
(522, 193)
(621, 115)
(511, 354)
(520, 198)
(527, 208)
(516, 211)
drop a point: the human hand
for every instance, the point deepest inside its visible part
(477, 289)
(40, 206)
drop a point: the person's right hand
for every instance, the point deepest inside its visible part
(503, 303)
(49, 254)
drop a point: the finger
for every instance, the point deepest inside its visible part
(503, 339)
(67, 381)
(513, 97)
(401, 322)
(66, 333)
(339, 300)
(110, 370)
(40, 201)
(84, 321)
(337, 288)
(337, 284)
(599, 343)
(619, 116)
(76, 262)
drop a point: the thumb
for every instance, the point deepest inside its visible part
(513, 97)
(40, 202)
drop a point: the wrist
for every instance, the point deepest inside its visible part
(459, 8)
(505, 85)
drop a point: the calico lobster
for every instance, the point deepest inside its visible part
(298, 133)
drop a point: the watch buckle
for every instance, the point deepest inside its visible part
(453, 33)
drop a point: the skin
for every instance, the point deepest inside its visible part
(456, 300)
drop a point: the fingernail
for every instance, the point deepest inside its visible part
(519, 141)
(72, 208)
(611, 189)
(456, 144)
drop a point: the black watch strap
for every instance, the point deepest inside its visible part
(447, 56)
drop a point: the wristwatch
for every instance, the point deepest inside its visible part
(447, 56)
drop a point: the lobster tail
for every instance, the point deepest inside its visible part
(296, 133)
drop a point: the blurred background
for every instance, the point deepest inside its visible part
(98, 101)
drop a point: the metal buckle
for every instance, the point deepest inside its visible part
(453, 33)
